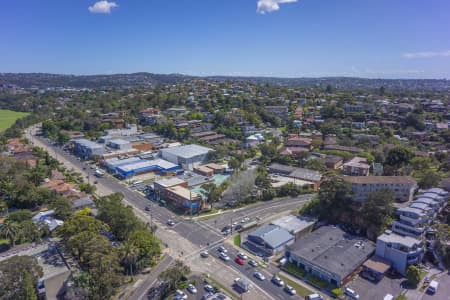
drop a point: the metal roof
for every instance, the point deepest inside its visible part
(187, 151)
(272, 235)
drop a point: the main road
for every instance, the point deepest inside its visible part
(188, 236)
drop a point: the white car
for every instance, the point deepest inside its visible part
(290, 290)
(192, 289)
(252, 263)
(224, 256)
(204, 254)
(259, 275)
(351, 293)
(242, 256)
(179, 294)
(222, 249)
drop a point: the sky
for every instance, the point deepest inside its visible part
(284, 38)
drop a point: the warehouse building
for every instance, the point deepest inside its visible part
(87, 149)
(269, 239)
(330, 254)
(188, 156)
(298, 226)
(160, 166)
(119, 144)
(112, 163)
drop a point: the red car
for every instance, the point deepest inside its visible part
(239, 261)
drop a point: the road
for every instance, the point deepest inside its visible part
(187, 238)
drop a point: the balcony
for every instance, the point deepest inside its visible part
(405, 229)
(413, 221)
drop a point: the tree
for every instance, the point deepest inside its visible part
(413, 275)
(234, 163)
(212, 192)
(80, 223)
(87, 188)
(3, 208)
(62, 207)
(399, 156)
(147, 246)
(19, 216)
(316, 164)
(377, 210)
(10, 231)
(175, 274)
(29, 291)
(14, 281)
(429, 179)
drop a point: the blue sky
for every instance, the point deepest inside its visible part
(366, 38)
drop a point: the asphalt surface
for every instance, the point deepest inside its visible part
(247, 270)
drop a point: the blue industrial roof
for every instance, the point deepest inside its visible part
(272, 235)
(187, 151)
(115, 162)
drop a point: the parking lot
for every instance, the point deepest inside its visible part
(443, 292)
(376, 291)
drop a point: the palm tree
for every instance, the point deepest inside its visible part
(128, 254)
(10, 230)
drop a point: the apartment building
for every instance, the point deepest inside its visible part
(411, 222)
(403, 187)
(401, 251)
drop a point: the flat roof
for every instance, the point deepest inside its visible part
(390, 237)
(168, 182)
(410, 209)
(115, 162)
(333, 250)
(88, 144)
(380, 179)
(119, 141)
(187, 151)
(294, 224)
(378, 264)
(164, 164)
(183, 192)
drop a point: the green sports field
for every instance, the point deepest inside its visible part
(8, 117)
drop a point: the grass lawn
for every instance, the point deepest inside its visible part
(314, 280)
(8, 117)
(237, 240)
(301, 290)
(294, 270)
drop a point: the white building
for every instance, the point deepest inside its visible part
(403, 187)
(188, 156)
(401, 251)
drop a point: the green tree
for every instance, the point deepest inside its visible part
(316, 164)
(413, 275)
(29, 291)
(377, 210)
(10, 231)
(175, 274)
(429, 179)
(80, 223)
(87, 188)
(399, 156)
(62, 207)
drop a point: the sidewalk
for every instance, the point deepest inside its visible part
(303, 284)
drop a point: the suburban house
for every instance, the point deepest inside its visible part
(330, 254)
(357, 166)
(403, 187)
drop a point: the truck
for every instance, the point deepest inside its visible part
(98, 173)
(433, 287)
(243, 284)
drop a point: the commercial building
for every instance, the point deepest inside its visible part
(184, 198)
(270, 239)
(400, 250)
(145, 166)
(188, 156)
(87, 149)
(403, 187)
(112, 163)
(357, 166)
(119, 144)
(330, 254)
(298, 226)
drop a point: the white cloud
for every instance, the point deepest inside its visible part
(267, 6)
(102, 7)
(427, 54)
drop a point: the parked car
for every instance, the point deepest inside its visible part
(351, 293)
(204, 254)
(170, 222)
(222, 249)
(277, 280)
(224, 256)
(242, 256)
(252, 263)
(179, 294)
(433, 287)
(147, 208)
(239, 260)
(209, 288)
(290, 290)
(259, 275)
(192, 289)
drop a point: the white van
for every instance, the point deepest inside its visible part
(433, 287)
(388, 297)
